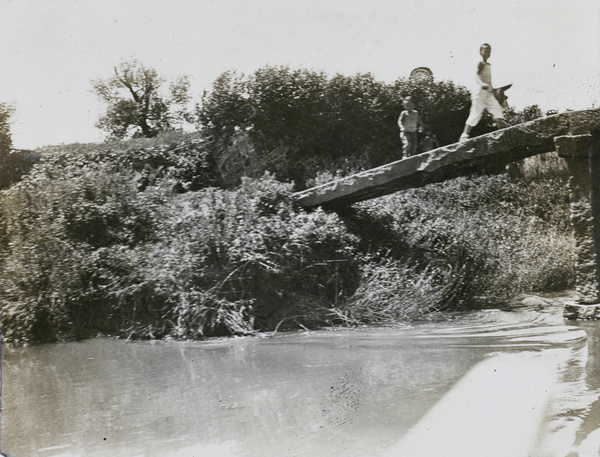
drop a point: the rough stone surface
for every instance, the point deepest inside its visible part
(582, 311)
(481, 153)
(573, 145)
(583, 160)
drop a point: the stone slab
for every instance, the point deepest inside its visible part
(477, 154)
(577, 311)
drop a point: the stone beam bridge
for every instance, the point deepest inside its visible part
(574, 135)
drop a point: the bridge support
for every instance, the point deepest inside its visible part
(582, 153)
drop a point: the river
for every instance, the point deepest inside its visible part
(482, 384)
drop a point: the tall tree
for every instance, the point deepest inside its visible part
(6, 113)
(138, 104)
(13, 164)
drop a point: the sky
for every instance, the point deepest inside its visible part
(51, 50)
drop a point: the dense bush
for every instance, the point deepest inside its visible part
(89, 252)
(495, 237)
(76, 234)
(69, 247)
(250, 257)
(324, 123)
(176, 158)
(396, 290)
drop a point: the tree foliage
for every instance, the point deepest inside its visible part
(138, 104)
(6, 113)
(443, 106)
(326, 123)
(13, 164)
(529, 113)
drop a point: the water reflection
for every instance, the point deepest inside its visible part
(585, 395)
(344, 392)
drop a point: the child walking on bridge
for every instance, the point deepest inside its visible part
(483, 97)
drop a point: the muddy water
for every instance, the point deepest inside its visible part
(359, 392)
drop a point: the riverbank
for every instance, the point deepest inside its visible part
(136, 239)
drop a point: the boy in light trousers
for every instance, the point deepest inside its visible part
(483, 98)
(410, 126)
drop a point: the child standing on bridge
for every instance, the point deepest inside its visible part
(483, 97)
(410, 124)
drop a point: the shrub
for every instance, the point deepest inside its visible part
(68, 248)
(174, 158)
(92, 254)
(497, 236)
(250, 254)
(392, 291)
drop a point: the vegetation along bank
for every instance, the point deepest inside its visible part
(190, 235)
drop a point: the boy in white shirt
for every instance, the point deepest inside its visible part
(483, 98)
